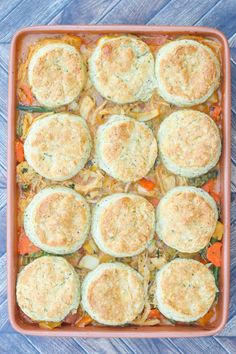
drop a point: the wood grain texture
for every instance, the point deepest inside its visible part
(15, 14)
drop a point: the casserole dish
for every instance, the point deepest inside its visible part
(132, 331)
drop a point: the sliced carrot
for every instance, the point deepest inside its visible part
(28, 94)
(209, 185)
(154, 313)
(215, 113)
(154, 201)
(147, 184)
(214, 254)
(20, 157)
(84, 321)
(215, 196)
(209, 188)
(25, 246)
(208, 317)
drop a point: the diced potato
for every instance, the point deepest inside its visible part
(49, 325)
(105, 258)
(219, 231)
(89, 262)
(90, 247)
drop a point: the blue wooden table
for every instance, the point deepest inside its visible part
(15, 14)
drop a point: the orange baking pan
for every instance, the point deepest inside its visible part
(184, 330)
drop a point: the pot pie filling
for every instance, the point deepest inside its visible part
(93, 183)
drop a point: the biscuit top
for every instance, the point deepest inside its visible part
(122, 69)
(58, 146)
(185, 289)
(116, 294)
(128, 148)
(56, 74)
(61, 220)
(187, 71)
(187, 218)
(190, 139)
(48, 289)
(127, 224)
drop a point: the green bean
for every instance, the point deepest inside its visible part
(201, 180)
(35, 109)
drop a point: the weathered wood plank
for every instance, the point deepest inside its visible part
(233, 137)
(29, 13)
(232, 306)
(103, 345)
(127, 345)
(230, 329)
(4, 55)
(3, 278)
(16, 344)
(133, 11)
(7, 6)
(3, 229)
(3, 92)
(3, 144)
(56, 345)
(233, 177)
(233, 86)
(84, 11)
(183, 12)
(151, 346)
(228, 343)
(199, 345)
(221, 16)
(3, 316)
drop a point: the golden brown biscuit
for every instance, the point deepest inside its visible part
(48, 289)
(187, 72)
(122, 69)
(186, 219)
(56, 74)
(58, 146)
(113, 294)
(57, 220)
(123, 224)
(189, 143)
(185, 290)
(125, 149)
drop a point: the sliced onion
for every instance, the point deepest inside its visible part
(89, 262)
(145, 116)
(86, 105)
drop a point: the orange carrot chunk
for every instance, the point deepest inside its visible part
(20, 157)
(154, 313)
(215, 113)
(209, 188)
(209, 185)
(27, 93)
(25, 246)
(215, 196)
(85, 320)
(147, 184)
(208, 317)
(214, 254)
